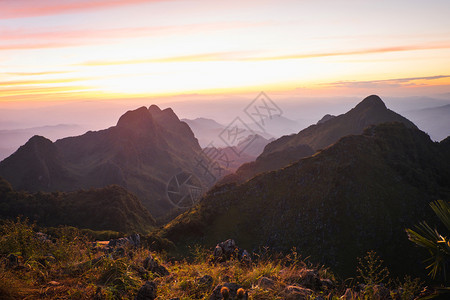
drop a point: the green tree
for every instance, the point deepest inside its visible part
(437, 244)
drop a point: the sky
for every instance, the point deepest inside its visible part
(75, 50)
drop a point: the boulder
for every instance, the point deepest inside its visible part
(147, 291)
(205, 281)
(310, 279)
(153, 266)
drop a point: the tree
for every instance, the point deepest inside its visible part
(437, 245)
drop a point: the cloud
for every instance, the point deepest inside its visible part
(33, 82)
(249, 56)
(26, 38)
(214, 56)
(22, 9)
(354, 52)
(36, 73)
(394, 82)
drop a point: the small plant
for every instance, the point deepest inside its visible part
(371, 270)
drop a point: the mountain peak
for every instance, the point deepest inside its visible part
(372, 101)
(133, 118)
(154, 109)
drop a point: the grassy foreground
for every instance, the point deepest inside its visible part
(67, 265)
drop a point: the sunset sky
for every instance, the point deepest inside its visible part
(61, 50)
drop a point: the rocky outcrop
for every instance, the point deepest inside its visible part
(228, 249)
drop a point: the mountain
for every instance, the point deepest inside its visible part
(11, 139)
(434, 120)
(209, 132)
(325, 118)
(231, 158)
(108, 208)
(327, 131)
(356, 195)
(276, 125)
(141, 153)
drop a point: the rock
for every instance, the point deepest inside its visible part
(228, 246)
(310, 279)
(153, 266)
(228, 291)
(266, 283)
(147, 291)
(131, 241)
(205, 281)
(227, 249)
(244, 256)
(218, 252)
(293, 292)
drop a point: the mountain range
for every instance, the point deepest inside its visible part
(11, 139)
(433, 120)
(356, 195)
(327, 131)
(146, 148)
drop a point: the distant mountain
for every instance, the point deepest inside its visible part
(12, 139)
(356, 195)
(434, 120)
(142, 153)
(327, 131)
(276, 126)
(231, 158)
(209, 132)
(108, 208)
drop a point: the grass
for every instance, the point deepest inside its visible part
(67, 268)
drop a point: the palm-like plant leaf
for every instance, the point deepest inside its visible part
(437, 245)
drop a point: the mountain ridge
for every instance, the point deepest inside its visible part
(141, 153)
(356, 195)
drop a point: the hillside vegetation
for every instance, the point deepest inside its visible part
(110, 208)
(359, 194)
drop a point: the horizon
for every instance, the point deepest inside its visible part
(84, 63)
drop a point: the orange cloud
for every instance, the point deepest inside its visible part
(36, 73)
(215, 56)
(393, 82)
(21, 9)
(32, 82)
(246, 55)
(354, 52)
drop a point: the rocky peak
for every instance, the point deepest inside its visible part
(136, 118)
(371, 102)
